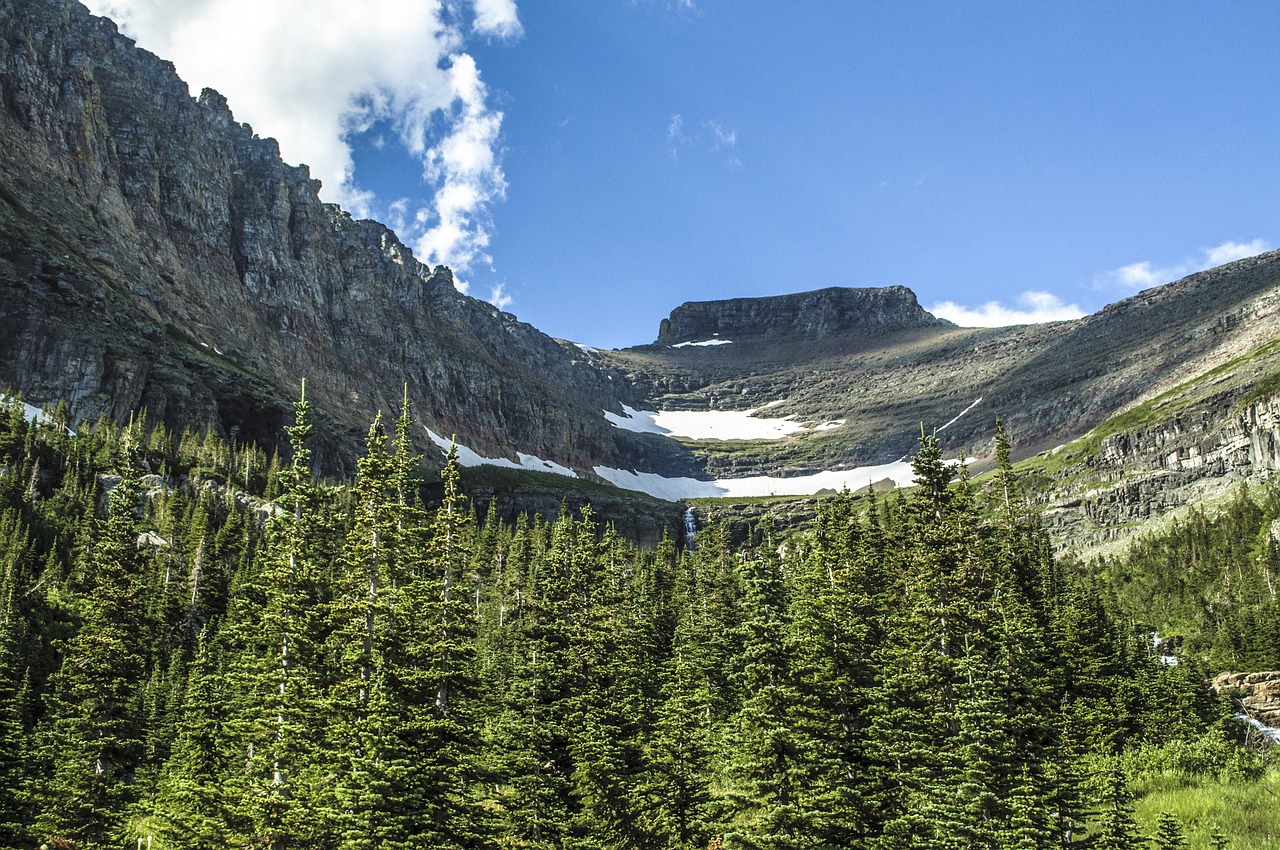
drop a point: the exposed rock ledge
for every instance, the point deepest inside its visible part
(836, 311)
(1257, 694)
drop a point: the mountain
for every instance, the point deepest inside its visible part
(157, 254)
(885, 375)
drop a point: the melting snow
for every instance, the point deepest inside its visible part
(682, 423)
(469, 457)
(704, 424)
(586, 348)
(958, 415)
(34, 414)
(704, 342)
(676, 489)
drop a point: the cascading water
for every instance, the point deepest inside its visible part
(690, 528)
(1264, 731)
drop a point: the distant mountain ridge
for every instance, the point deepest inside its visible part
(819, 314)
(155, 253)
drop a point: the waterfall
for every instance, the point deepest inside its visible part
(1272, 735)
(690, 528)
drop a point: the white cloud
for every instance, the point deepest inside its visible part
(1144, 275)
(313, 73)
(710, 136)
(1036, 307)
(720, 136)
(1229, 252)
(498, 18)
(675, 136)
(499, 298)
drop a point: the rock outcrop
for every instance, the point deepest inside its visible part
(1255, 694)
(837, 311)
(156, 253)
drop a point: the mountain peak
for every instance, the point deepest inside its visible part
(822, 313)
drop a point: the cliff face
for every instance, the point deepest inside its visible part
(1188, 458)
(837, 311)
(1255, 694)
(154, 252)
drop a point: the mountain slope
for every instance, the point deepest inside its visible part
(154, 252)
(882, 377)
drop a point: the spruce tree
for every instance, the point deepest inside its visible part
(94, 736)
(271, 639)
(1169, 834)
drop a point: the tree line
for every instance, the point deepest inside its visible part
(204, 647)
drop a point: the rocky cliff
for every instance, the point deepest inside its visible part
(1255, 694)
(837, 311)
(156, 253)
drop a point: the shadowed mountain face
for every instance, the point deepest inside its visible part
(156, 253)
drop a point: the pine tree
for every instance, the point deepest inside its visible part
(767, 764)
(1169, 835)
(191, 795)
(438, 674)
(271, 640)
(13, 734)
(95, 734)
(366, 703)
(1117, 829)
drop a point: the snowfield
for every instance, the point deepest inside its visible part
(468, 457)
(703, 343)
(704, 424)
(714, 425)
(677, 489)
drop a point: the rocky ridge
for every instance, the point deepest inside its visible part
(836, 311)
(156, 253)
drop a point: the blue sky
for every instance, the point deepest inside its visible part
(591, 164)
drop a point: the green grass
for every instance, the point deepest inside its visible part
(1247, 813)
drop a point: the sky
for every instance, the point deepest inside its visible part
(589, 165)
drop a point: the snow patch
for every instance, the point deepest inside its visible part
(958, 415)
(899, 472)
(704, 343)
(704, 424)
(34, 414)
(677, 489)
(469, 457)
(588, 349)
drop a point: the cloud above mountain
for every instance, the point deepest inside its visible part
(1146, 274)
(1034, 307)
(315, 74)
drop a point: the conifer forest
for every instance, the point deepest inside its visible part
(202, 646)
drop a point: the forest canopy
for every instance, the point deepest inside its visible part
(203, 646)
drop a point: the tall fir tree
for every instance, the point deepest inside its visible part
(94, 735)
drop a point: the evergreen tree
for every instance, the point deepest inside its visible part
(1117, 829)
(768, 762)
(1169, 835)
(271, 643)
(94, 735)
